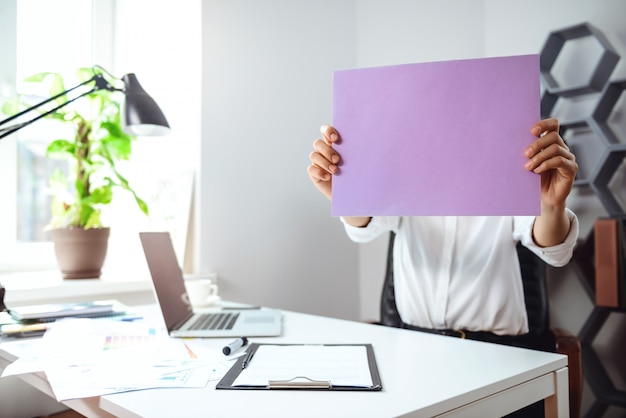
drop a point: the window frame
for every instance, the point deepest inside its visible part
(108, 20)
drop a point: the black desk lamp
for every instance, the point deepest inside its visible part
(141, 114)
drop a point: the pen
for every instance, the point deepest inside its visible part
(234, 345)
(130, 318)
(247, 359)
(22, 331)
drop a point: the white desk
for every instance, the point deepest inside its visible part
(423, 375)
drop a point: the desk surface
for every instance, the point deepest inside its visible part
(423, 375)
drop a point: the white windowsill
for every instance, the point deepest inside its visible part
(39, 287)
(28, 288)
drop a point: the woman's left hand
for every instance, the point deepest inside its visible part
(553, 160)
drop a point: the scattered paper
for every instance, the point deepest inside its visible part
(84, 358)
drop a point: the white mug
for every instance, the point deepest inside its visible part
(201, 292)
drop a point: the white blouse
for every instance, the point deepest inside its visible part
(462, 272)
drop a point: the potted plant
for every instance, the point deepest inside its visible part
(80, 194)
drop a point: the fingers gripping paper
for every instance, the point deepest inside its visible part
(439, 138)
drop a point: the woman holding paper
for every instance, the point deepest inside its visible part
(454, 272)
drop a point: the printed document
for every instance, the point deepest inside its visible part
(338, 365)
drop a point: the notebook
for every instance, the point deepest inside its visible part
(50, 312)
(180, 318)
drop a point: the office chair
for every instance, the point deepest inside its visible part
(540, 335)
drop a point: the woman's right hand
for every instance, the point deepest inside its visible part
(324, 161)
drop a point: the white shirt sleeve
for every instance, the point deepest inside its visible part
(557, 255)
(377, 226)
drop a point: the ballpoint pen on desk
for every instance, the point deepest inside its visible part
(234, 345)
(247, 358)
(22, 330)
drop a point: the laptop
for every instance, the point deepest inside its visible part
(180, 318)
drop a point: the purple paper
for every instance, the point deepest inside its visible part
(439, 138)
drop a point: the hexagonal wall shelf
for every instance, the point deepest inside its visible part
(595, 372)
(604, 108)
(601, 162)
(600, 179)
(548, 101)
(584, 264)
(553, 47)
(588, 151)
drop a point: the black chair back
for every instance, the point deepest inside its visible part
(534, 272)
(388, 311)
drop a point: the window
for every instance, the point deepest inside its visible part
(68, 49)
(114, 35)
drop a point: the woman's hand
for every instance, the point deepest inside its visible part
(549, 157)
(324, 161)
(553, 160)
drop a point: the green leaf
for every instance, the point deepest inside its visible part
(57, 85)
(10, 107)
(142, 204)
(38, 78)
(81, 188)
(117, 148)
(61, 147)
(115, 130)
(102, 195)
(85, 73)
(93, 221)
(86, 212)
(123, 182)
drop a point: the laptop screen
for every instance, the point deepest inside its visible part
(167, 277)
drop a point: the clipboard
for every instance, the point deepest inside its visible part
(299, 381)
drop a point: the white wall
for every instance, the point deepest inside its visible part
(265, 230)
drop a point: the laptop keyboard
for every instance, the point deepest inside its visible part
(215, 321)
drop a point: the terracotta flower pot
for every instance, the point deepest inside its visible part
(80, 252)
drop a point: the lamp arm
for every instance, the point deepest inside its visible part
(100, 84)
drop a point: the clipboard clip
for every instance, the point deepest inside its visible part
(299, 382)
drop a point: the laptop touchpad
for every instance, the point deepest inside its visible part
(259, 319)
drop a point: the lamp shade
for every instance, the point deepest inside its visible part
(141, 115)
